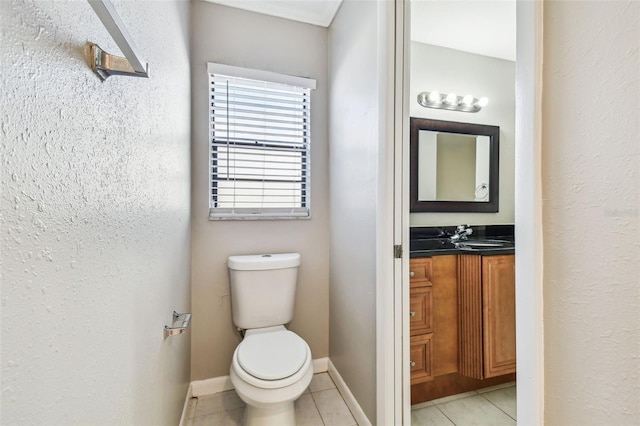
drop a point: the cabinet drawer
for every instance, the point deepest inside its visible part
(420, 271)
(420, 310)
(420, 362)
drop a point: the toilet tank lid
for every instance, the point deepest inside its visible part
(260, 262)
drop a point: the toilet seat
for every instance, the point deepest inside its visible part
(273, 358)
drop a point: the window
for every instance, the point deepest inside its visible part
(260, 144)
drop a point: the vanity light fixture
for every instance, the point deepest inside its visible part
(451, 101)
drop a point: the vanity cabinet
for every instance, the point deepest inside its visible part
(462, 324)
(486, 292)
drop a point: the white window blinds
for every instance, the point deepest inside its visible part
(260, 136)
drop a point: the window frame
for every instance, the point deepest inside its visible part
(306, 85)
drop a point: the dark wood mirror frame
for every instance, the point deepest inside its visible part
(493, 132)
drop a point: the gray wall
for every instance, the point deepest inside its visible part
(95, 241)
(354, 173)
(236, 37)
(591, 212)
(449, 70)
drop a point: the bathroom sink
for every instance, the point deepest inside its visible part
(438, 246)
(486, 243)
(483, 244)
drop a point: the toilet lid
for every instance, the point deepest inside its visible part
(272, 356)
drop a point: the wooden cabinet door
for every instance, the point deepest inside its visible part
(499, 314)
(445, 313)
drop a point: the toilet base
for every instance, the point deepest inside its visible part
(271, 407)
(280, 415)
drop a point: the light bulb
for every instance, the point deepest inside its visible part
(483, 102)
(434, 97)
(468, 100)
(452, 99)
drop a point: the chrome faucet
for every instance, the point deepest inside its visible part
(461, 234)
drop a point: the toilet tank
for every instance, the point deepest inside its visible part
(263, 289)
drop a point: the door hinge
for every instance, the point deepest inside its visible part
(397, 252)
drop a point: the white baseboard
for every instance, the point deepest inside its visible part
(211, 386)
(320, 365)
(223, 383)
(348, 397)
(185, 414)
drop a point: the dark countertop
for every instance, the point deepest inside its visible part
(434, 241)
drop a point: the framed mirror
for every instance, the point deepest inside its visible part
(453, 166)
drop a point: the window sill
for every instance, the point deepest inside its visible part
(255, 217)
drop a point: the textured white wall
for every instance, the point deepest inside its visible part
(237, 37)
(591, 212)
(95, 217)
(449, 70)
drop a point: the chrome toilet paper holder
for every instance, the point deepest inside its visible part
(172, 331)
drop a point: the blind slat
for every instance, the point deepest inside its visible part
(222, 96)
(238, 116)
(249, 124)
(223, 131)
(278, 115)
(245, 147)
(262, 107)
(260, 144)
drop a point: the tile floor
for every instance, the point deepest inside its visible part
(495, 405)
(320, 405)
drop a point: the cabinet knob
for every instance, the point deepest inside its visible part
(411, 274)
(412, 363)
(412, 313)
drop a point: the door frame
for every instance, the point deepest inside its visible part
(528, 213)
(528, 220)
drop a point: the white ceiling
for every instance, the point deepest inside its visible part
(485, 27)
(316, 12)
(478, 26)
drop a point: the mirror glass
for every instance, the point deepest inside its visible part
(454, 166)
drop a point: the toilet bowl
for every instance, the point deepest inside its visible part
(271, 368)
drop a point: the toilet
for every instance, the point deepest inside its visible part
(271, 366)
